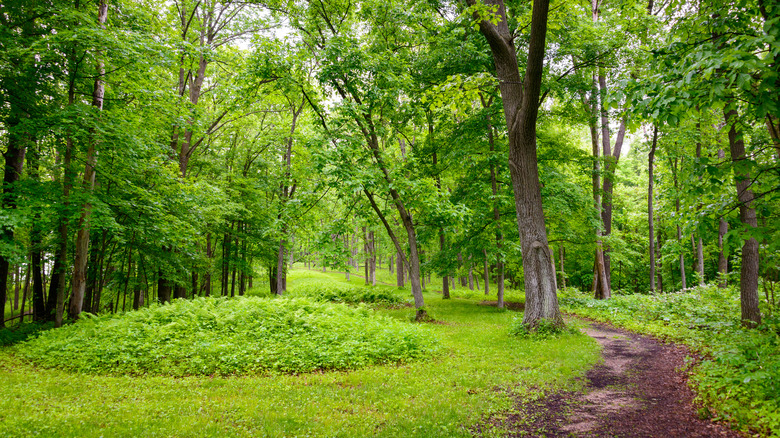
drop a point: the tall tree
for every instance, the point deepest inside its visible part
(521, 107)
(79, 282)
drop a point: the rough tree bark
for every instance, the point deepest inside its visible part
(748, 284)
(521, 106)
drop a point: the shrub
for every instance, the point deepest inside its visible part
(230, 336)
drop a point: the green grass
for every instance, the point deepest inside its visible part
(480, 365)
(739, 378)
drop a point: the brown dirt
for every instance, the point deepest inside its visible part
(639, 390)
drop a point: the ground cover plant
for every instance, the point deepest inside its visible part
(221, 336)
(479, 369)
(736, 379)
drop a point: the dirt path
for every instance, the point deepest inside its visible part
(639, 391)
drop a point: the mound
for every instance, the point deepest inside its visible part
(230, 336)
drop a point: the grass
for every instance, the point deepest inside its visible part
(441, 397)
(737, 380)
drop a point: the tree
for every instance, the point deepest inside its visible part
(521, 105)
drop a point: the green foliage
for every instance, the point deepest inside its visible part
(737, 379)
(346, 293)
(10, 336)
(209, 336)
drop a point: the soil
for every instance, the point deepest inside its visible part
(640, 390)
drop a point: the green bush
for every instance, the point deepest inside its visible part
(230, 336)
(346, 293)
(738, 377)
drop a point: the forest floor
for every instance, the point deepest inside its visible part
(639, 390)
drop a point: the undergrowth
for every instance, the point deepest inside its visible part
(222, 336)
(12, 335)
(738, 378)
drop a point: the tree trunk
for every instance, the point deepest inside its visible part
(280, 268)
(601, 289)
(445, 285)
(461, 278)
(723, 266)
(399, 271)
(82, 239)
(651, 246)
(486, 272)
(163, 289)
(24, 294)
(471, 274)
(14, 161)
(496, 214)
(39, 300)
(561, 254)
(372, 258)
(207, 273)
(660, 270)
(673, 164)
(723, 228)
(748, 284)
(62, 254)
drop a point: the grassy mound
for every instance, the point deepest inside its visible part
(738, 377)
(346, 293)
(220, 336)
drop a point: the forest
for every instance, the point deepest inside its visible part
(389, 217)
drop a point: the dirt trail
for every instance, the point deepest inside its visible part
(638, 391)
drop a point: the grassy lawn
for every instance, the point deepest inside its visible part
(442, 396)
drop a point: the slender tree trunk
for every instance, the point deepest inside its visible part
(496, 213)
(723, 266)
(471, 274)
(207, 273)
(748, 284)
(25, 290)
(280, 267)
(399, 271)
(62, 254)
(445, 285)
(561, 252)
(39, 300)
(372, 258)
(660, 270)
(651, 246)
(673, 164)
(723, 228)
(461, 278)
(486, 272)
(82, 239)
(601, 288)
(92, 266)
